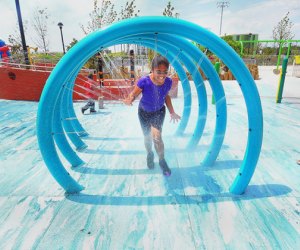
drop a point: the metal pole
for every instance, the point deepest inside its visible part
(62, 40)
(279, 55)
(22, 32)
(131, 55)
(222, 5)
(221, 21)
(100, 69)
(60, 25)
(281, 80)
(217, 68)
(289, 50)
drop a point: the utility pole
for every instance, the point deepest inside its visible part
(222, 5)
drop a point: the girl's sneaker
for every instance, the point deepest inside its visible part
(164, 166)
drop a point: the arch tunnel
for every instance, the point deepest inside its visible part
(172, 38)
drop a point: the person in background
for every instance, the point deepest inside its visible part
(4, 52)
(151, 112)
(91, 103)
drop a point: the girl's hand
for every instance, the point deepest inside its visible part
(127, 101)
(174, 117)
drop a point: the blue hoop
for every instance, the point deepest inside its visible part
(143, 26)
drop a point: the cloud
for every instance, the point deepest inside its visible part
(255, 16)
(258, 18)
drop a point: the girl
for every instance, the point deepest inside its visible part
(154, 88)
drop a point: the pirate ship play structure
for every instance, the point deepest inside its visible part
(26, 81)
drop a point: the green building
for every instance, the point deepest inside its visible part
(245, 37)
(247, 47)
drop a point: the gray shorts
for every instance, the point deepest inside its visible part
(154, 119)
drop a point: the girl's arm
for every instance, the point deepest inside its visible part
(174, 116)
(130, 98)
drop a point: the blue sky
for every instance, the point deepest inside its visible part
(256, 16)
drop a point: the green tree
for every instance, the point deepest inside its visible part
(234, 44)
(40, 26)
(100, 17)
(16, 46)
(128, 11)
(72, 43)
(168, 11)
(283, 30)
(15, 39)
(106, 15)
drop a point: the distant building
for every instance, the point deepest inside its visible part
(248, 47)
(245, 37)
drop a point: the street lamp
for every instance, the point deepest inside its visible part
(60, 25)
(222, 5)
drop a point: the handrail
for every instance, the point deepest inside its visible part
(36, 67)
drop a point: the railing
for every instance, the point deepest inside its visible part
(266, 60)
(37, 67)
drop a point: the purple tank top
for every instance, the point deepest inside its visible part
(153, 96)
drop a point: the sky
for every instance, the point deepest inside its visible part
(240, 17)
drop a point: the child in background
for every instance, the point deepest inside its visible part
(91, 103)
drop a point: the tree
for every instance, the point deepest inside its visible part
(106, 14)
(168, 11)
(234, 44)
(15, 39)
(40, 25)
(128, 11)
(283, 30)
(100, 17)
(72, 43)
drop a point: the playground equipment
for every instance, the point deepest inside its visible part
(4, 52)
(35, 49)
(280, 49)
(281, 80)
(170, 37)
(296, 67)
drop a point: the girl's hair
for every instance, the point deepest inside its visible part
(158, 60)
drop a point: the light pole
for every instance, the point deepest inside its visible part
(60, 25)
(222, 5)
(22, 32)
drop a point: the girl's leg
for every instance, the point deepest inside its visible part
(158, 143)
(148, 146)
(160, 149)
(145, 125)
(148, 143)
